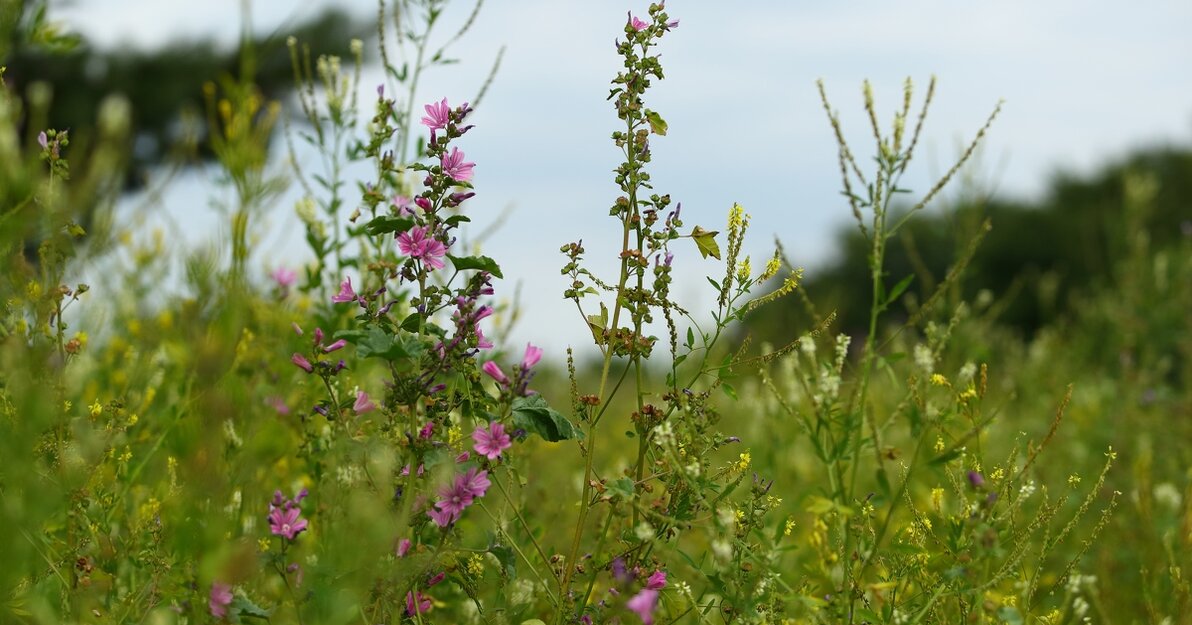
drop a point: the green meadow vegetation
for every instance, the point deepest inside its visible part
(979, 414)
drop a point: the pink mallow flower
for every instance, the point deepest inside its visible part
(454, 166)
(644, 603)
(284, 277)
(491, 441)
(533, 355)
(494, 371)
(475, 481)
(438, 114)
(457, 496)
(221, 598)
(416, 244)
(302, 362)
(657, 581)
(417, 603)
(346, 294)
(363, 403)
(637, 23)
(403, 547)
(286, 520)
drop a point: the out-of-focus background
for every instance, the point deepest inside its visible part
(1085, 90)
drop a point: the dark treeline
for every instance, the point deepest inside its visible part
(1037, 261)
(164, 86)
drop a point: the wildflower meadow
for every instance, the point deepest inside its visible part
(349, 436)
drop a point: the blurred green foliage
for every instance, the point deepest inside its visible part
(1039, 259)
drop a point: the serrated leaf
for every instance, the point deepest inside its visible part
(706, 242)
(242, 606)
(535, 416)
(622, 488)
(657, 124)
(482, 263)
(376, 343)
(386, 224)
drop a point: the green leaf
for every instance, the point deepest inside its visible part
(1009, 614)
(241, 606)
(690, 338)
(482, 263)
(706, 242)
(376, 343)
(898, 289)
(657, 124)
(504, 555)
(386, 224)
(535, 416)
(622, 488)
(729, 390)
(455, 220)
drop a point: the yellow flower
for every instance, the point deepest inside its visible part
(96, 408)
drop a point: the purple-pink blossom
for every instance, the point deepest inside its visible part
(417, 602)
(454, 166)
(532, 356)
(346, 294)
(403, 205)
(493, 370)
(475, 481)
(491, 441)
(363, 404)
(438, 114)
(644, 603)
(403, 547)
(284, 277)
(637, 23)
(221, 598)
(458, 495)
(302, 362)
(657, 580)
(285, 517)
(418, 243)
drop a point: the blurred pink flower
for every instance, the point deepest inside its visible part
(221, 598)
(346, 294)
(644, 603)
(638, 24)
(657, 580)
(417, 602)
(403, 205)
(363, 403)
(403, 547)
(491, 441)
(454, 166)
(284, 277)
(437, 115)
(475, 482)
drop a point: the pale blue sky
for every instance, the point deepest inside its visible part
(1082, 82)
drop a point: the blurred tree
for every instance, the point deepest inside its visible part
(163, 86)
